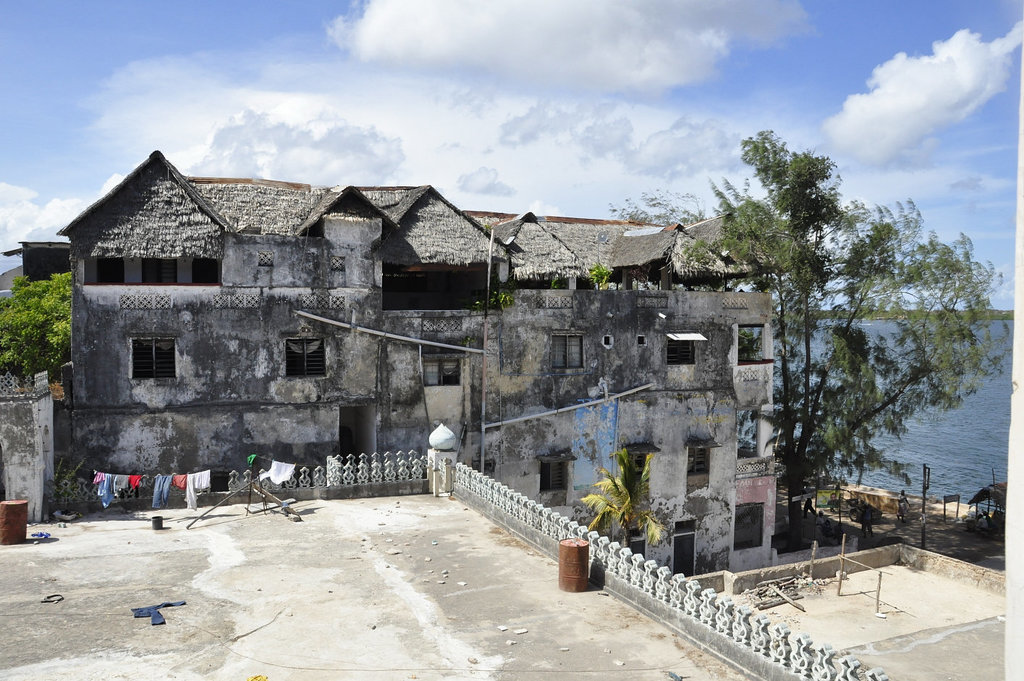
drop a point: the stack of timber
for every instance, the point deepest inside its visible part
(773, 592)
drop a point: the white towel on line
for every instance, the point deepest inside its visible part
(279, 472)
(194, 483)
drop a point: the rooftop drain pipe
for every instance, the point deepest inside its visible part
(393, 336)
(562, 410)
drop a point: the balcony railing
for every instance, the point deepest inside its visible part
(755, 468)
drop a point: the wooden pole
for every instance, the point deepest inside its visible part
(814, 552)
(842, 567)
(925, 475)
(878, 593)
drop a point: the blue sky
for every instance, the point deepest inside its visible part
(561, 108)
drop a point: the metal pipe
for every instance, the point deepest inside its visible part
(562, 410)
(393, 336)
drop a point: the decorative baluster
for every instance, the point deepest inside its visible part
(677, 591)
(724, 615)
(741, 629)
(376, 469)
(662, 583)
(319, 477)
(402, 470)
(876, 674)
(780, 647)
(389, 466)
(611, 566)
(708, 608)
(848, 666)
(760, 637)
(625, 563)
(363, 469)
(691, 601)
(801, 657)
(636, 574)
(824, 668)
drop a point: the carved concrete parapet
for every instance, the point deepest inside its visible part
(801, 657)
(319, 477)
(598, 546)
(691, 601)
(305, 480)
(708, 606)
(649, 576)
(760, 637)
(824, 668)
(848, 666)
(582, 531)
(533, 514)
(780, 647)
(677, 590)
(612, 564)
(233, 484)
(662, 583)
(571, 529)
(625, 563)
(563, 528)
(876, 674)
(741, 628)
(637, 571)
(724, 615)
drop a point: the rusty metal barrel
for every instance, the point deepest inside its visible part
(573, 565)
(13, 521)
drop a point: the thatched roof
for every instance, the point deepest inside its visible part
(642, 245)
(347, 201)
(255, 206)
(153, 213)
(696, 254)
(535, 252)
(430, 229)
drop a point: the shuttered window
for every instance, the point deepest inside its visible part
(153, 358)
(305, 357)
(441, 372)
(749, 526)
(554, 475)
(566, 351)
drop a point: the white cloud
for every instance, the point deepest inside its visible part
(912, 98)
(319, 151)
(24, 218)
(604, 45)
(484, 181)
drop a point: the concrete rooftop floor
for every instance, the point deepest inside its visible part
(385, 588)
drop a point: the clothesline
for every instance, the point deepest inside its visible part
(111, 484)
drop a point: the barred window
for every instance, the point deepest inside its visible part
(697, 460)
(153, 358)
(680, 352)
(441, 372)
(159, 270)
(566, 351)
(554, 475)
(749, 525)
(305, 357)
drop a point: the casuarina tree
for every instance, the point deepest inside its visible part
(35, 326)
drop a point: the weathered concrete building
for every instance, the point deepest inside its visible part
(213, 318)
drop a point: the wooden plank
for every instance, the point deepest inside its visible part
(788, 599)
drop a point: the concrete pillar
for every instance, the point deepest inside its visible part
(26, 445)
(1015, 464)
(441, 471)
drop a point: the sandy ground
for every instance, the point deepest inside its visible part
(388, 588)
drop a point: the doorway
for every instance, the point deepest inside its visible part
(357, 430)
(683, 543)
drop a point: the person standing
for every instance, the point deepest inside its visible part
(902, 506)
(865, 521)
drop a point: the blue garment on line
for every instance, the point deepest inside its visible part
(106, 490)
(161, 487)
(153, 612)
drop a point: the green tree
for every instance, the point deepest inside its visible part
(35, 326)
(622, 501)
(661, 208)
(830, 267)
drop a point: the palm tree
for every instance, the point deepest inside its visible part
(622, 500)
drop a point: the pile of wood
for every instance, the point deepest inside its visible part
(773, 592)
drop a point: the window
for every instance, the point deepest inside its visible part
(109, 270)
(566, 351)
(681, 348)
(205, 271)
(641, 341)
(697, 460)
(265, 258)
(683, 544)
(749, 526)
(746, 433)
(554, 475)
(749, 344)
(159, 270)
(637, 542)
(305, 357)
(441, 372)
(153, 358)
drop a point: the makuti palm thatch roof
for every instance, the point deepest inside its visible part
(697, 253)
(591, 240)
(535, 252)
(642, 245)
(254, 206)
(349, 201)
(430, 231)
(153, 213)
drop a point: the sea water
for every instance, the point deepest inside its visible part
(966, 447)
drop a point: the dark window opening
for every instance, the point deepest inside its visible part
(205, 271)
(697, 459)
(746, 433)
(305, 357)
(747, 533)
(110, 270)
(159, 270)
(750, 348)
(641, 340)
(441, 372)
(566, 351)
(153, 358)
(680, 352)
(554, 475)
(432, 287)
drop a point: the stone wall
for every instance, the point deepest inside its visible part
(26, 440)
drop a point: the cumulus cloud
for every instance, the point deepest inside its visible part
(911, 98)
(257, 144)
(605, 45)
(24, 218)
(484, 181)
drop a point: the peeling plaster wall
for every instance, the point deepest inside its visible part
(26, 449)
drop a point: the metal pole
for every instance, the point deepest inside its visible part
(925, 475)
(814, 552)
(878, 593)
(842, 567)
(483, 360)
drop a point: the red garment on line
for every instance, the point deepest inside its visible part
(134, 480)
(179, 481)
